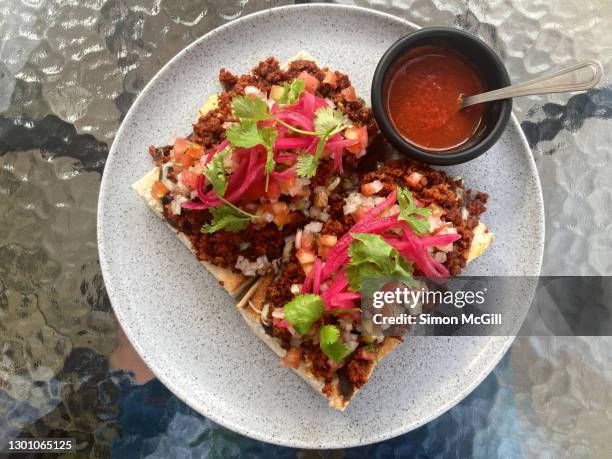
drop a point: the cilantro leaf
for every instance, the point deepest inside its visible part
(410, 213)
(327, 119)
(358, 273)
(303, 311)
(292, 92)
(328, 122)
(244, 134)
(402, 268)
(321, 145)
(331, 345)
(374, 262)
(250, 108)
(228, 218)
(215, 172)
(370, 248)
(268, 137)
(307, 165)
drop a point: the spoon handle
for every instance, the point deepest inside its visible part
(578, 77)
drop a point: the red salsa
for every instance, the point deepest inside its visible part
(423, 93)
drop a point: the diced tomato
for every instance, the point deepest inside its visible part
(360, 213)
(323, 252)
(195, 150)
(305, 256)
(196, 168)
(182, 160)
(349, 94)
(189, 179)
(159, 190)
(276, 92)
(180, 145)
(328, 240)
(292, 358)
(414, 179)
(357, 133)
(371, 188)
(280, 210)
(311, 84)
(274, 191)
(285, 185)
(330, 79)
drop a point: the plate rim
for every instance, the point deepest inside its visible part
(503, 342)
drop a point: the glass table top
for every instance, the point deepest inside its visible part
(69, 72)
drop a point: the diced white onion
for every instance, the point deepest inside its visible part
(177, 203)
(314, 227)
(440, 257)
(250, 268)
(355, 200)
(334, 184)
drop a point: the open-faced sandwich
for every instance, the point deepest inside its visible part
(269, 188)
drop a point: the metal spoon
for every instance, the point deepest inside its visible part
(578, 77)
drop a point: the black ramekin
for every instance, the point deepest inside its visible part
(491, 70)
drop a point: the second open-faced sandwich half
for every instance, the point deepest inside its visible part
(270, 188)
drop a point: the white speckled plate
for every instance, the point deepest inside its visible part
(185, 326)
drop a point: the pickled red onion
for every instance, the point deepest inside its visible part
(213, 151)
(296, 119)
(285, 157)
(288, 143)
(307, 285)
(337, 155)
(287, 174)
(316, 276)
(414, 250)
(340, 143)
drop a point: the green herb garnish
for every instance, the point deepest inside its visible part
(268, 138)
(331, 345)
(303, 311)
(250, 108)
(228, 217)
(246, 134)
(328, 122)
(215, 172)
(291, 92)
(373, 260)
(307, 165)
(410, 213)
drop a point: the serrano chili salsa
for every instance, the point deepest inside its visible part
(268, 184)
(424, 89)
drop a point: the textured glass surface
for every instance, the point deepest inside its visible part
(69, 71)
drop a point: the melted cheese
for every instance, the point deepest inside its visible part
(211, 103)
(143, 188)
(482, 239)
